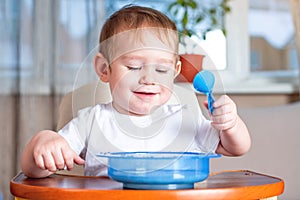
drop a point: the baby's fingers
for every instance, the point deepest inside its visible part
(49, 162)
(78, 160)
(224, 105)
(70, 157)
(59, 159)
(39, 161)
(223, 122)
(223, 100)
(44, 160)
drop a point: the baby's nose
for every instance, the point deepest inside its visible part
(148, 76)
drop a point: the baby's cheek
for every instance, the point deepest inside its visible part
(166, 94)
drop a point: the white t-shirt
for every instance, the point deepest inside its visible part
(170, 128)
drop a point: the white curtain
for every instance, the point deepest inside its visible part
(46, 49)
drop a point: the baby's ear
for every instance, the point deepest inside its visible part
(101, 67)
(177, 69)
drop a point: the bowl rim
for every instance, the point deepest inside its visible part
(155, 154)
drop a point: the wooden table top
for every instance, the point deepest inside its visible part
(240, 184)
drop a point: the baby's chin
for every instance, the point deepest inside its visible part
(142, 111)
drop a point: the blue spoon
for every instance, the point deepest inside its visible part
(204, 82)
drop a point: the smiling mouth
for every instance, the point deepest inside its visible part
(145, 94)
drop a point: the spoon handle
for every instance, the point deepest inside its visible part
(210, 100)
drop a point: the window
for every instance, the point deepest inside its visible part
(246, 71)
(49, 45)
(271, 32)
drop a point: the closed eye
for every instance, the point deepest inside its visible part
(132, 68)
(162, 69)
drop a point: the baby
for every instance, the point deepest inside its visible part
(138, 57)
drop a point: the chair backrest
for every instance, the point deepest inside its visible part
(99, 92)
(85, 96)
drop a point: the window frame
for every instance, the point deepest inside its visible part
(237, 78)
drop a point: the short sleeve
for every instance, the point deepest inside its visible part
(207, 137)
(77, 130)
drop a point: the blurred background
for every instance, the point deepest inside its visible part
(46, 50)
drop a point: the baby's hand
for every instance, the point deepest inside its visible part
(224, 116)
(52, 152)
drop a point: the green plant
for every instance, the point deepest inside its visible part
(197, 17)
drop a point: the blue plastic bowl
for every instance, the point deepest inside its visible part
(158, 170)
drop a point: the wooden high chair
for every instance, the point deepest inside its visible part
(241, 184)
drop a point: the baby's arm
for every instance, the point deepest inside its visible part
(234, 136)
(46, 153)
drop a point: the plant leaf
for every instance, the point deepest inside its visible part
(185, 18)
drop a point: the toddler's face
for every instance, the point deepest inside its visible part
(143, 66)
(142, 80)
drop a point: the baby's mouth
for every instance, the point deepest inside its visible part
(144, 95)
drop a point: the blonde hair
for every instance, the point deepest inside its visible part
(137, 19)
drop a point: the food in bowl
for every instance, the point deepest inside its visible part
(158, 170)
